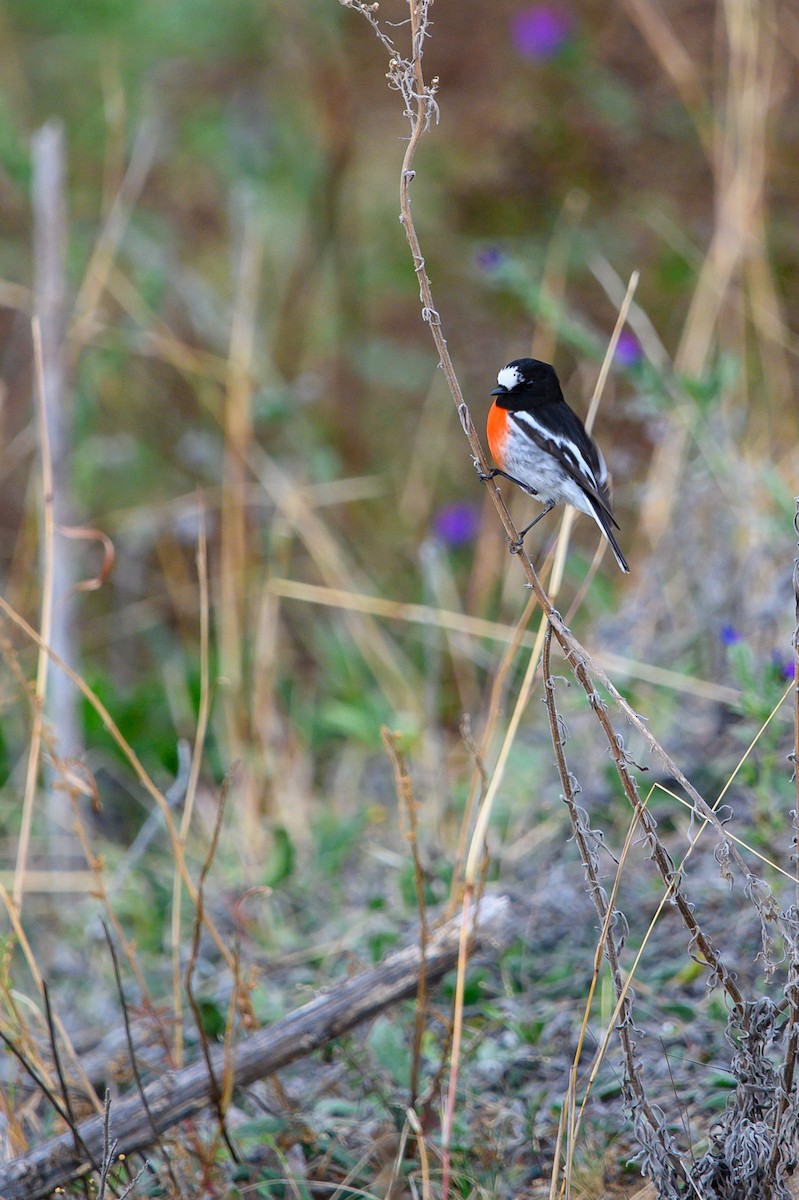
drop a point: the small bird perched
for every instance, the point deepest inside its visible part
(542, 446)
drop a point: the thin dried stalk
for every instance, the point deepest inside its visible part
(479, 627)
(45, 623)
(235, 549)
(408, 806)
(216, 1092)
(203, 714)
(49, 162)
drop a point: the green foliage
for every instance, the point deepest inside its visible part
(388, 1043)
(213, 1019)
(281, 861)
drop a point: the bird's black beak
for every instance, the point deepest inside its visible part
(499, 391)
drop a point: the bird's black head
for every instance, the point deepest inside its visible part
(526, 381)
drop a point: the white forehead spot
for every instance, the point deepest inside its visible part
(509, 377)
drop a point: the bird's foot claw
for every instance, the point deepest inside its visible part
(516, 546)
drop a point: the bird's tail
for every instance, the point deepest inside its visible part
(603, 519)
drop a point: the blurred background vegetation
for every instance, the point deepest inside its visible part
(245, 353)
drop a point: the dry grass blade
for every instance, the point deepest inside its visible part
(217, 1093)
(48, 530)
(513, 635)
(424, 1163)
(408, 806)
(235, 550)
(203, 714)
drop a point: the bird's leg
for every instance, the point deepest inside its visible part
(516, 546)
(484, 478)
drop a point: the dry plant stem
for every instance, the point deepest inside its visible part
(48, 525)
(407, 801)
(553, 1183)
(133, 760)
(109, 1147)
(479, 779)
(234, 551)
(179, 1094)
(203, 714)
(457, 1034)
(49, 168)
(191, 966)
(581, 832)
(424, 1163)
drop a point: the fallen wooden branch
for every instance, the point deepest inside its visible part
(178, 1094)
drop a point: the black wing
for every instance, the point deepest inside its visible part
(558, 431)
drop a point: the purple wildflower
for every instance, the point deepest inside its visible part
(540, 31)
(628, 349)
(729, 635)
(489, 258)
(456, 524)
(785, 667)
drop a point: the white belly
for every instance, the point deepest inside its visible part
(542, 473)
